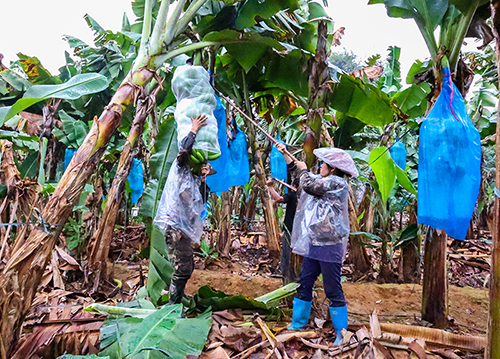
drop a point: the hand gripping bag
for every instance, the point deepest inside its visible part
(218, 182)
(398, 154)
(136, 180)
(195, 96)
(278, 163)
(238, 166)
(449, 164)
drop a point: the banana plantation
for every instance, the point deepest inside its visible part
(148, 190)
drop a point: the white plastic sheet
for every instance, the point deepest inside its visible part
(181, 203)
(321, 226)
(195, 96)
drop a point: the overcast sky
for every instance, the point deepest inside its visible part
(37, 29)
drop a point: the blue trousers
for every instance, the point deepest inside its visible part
(309, 272)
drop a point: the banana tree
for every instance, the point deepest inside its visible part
(454, 17)
(101, 239)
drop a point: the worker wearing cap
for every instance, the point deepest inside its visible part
(320, 233)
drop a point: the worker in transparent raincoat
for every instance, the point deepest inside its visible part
(320, 233)
(179, 211)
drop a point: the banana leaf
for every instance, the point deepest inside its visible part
(383, 168)
(159, 335)
(165, 148)
(76, 87)
(364, 102)
(208, 297)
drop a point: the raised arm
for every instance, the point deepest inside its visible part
(274, 195)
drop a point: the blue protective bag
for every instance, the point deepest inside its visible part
(136, 180)
(238, 166)
(68, 156)
(218, 182)
(278, 163)
(449, 172)
(398, 154)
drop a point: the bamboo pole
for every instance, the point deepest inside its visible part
(493, 347)
(271, 138)
(285, 184)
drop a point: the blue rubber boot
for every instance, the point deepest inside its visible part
(301, 314)
(339, 320)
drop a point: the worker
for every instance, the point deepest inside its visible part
(320, 233)
(290, 199)
(179, 212)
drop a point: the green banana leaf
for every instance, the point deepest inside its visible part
(364, 102)
(74, 131)
(160, 268)
(384, 169)
(73, 89)
(161, 334)
(246, 48)
(413, 100)
(165, 152)
(404, 181)
(392, 71)
(208, 297)
(408, 235)
(262, 9)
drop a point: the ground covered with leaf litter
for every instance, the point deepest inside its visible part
(384, 319)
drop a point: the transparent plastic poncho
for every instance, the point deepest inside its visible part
(449, 174)
(195, 96)
(321, 226)
(181, 204)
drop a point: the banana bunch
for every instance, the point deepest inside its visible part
(195, 95)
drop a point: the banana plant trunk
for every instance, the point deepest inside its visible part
(224, 241)
(411, 256)
(270, 220)
(493, 348)
(318, 94)
(435, 283)
(247, 210)
(98, 248)
(357, 251)
(22, 273)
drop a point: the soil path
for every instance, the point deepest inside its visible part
(394, 302)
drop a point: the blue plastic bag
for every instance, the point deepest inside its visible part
(68, 156)
(278, 163)
(238, 166)
(449, 164)
(136, 180)
(218, 182)
(398, 154)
